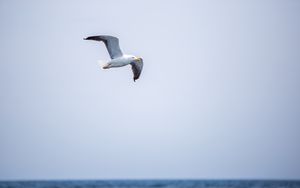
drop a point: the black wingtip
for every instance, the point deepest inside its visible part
(135, 78)
(91, 38)
(87, 38)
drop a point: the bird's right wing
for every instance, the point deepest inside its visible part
(137, 67)
(111, 43)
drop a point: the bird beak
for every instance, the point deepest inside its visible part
(137, 58)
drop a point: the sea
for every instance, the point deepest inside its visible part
(153, 184)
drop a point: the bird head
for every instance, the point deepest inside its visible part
(138, 59)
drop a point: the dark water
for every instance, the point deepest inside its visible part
(153, 184)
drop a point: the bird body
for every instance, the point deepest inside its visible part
(118, 59)
(119, 62)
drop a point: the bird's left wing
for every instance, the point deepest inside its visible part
(111, 43)
(137, 67)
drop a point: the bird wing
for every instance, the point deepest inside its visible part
(111, 43)
(137, 67)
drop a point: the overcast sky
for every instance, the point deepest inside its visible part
(218, 96)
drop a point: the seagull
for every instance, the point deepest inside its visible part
(118, 59)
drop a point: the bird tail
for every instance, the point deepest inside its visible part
(102, 63)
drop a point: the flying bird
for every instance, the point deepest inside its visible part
(118, 59)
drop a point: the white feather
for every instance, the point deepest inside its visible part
(102, 63)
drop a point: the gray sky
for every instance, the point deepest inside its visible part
(218, 96)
